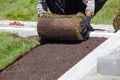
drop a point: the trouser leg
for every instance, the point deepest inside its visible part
(74, 6)
(99, 4)
(56, 6)
(66, 6)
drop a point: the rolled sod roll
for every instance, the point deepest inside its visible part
(60, 27)
(116, 22)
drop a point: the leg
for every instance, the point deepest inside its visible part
(74, 6)
(99, 4)
(56, 6)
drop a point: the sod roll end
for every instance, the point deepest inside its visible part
(116, 22)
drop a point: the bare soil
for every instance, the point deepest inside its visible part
(49, 61)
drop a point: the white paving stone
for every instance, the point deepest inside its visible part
(103, 78)
(109, 65)
(30, 24)
(23, 32)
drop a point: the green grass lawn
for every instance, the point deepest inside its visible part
(18, 9)
(26, 10)
(12, 47)
(107, 13)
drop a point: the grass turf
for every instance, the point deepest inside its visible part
(18, 9)
(12, 47)
(27, 10)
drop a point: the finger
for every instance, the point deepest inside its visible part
(84, 30)
(90, 28)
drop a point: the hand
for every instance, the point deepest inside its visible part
(86, 27)
(42, 13)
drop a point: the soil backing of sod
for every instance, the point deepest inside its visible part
(49, 61)
(60, 27)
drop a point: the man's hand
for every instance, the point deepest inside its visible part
(42, 13)
(86, 27)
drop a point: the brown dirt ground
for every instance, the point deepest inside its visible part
(49, 61)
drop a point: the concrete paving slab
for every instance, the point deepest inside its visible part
(88, 65)
(109, 65)
(100, 34)
(28, 24)
(23, 32)
(103, 78)
(103, 28)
